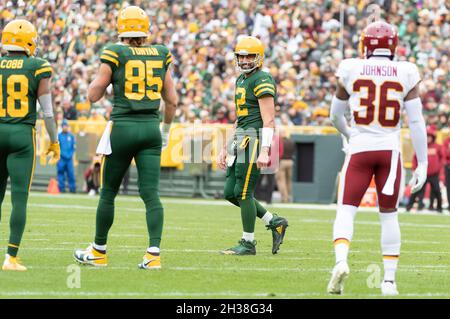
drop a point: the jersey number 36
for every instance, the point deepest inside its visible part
(376, 101)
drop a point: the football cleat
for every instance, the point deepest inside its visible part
(91, 256)
(150, 261)
(339, 274)
(12, 263)
(389, 288)
(243, 248)
(278, 226)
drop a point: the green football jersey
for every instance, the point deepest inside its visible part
(19, 82)
(248, 91)
(137, 76)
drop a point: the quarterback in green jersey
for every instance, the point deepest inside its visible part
(140, 77)
(248, 152)
(24, 80)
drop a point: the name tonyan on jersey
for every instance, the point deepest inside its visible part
(379, 70)
(144, 51)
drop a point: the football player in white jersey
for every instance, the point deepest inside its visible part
(376, 89)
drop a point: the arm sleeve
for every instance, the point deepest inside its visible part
(337, 116)
(110, 57)
(417, 129)
(43, 70)
(265, 86)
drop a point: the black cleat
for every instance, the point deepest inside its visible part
(278, 226)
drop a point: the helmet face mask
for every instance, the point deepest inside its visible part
(248, 54)
(246, 62)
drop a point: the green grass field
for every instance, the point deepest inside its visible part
(195, 230)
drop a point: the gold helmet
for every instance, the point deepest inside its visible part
(132, 22)
(249, 45)
(20, 35)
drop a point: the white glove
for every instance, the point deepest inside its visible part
(165, 130)
(419, 177)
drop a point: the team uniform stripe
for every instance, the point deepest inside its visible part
(13, 246)
(264, 85)
(264, 91)
(102, 166)
(34, 158)
(169, 60)
(249, 170)
(341, 185)
(391, 257)
(112, 53)
(46, 69)
(341, 241)
(111, 59)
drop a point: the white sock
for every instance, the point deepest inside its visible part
(248, 236)
(390, 243)
(267, 217)
(99, 247)
(153, 249)
(343, 231)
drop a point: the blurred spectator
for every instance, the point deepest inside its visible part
(70, 113)
(302, 41)
(92, 177)
(284, 173)
(435, 160)
(65, 164)
(446, 151)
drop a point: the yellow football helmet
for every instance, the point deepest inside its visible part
(249, 45)
(20, 35)
(133, 22)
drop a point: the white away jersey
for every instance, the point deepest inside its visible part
(377, 88)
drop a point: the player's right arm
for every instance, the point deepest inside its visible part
(339, 103)
(98, 87)
(417, 128)
(45, 100)
(339, 106)
(222, 158)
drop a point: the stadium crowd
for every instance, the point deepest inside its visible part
(303, 49)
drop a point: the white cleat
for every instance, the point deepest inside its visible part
(389, 288)
(339, 274)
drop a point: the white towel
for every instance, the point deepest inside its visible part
(388, 188)
(104, 145)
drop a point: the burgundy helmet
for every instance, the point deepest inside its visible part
(378, 36)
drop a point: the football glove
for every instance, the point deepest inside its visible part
(55, 152)
(419, 177)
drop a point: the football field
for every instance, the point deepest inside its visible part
(195, 231)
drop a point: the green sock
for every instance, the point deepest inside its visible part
(17, 221)
(155, 217)
(105, 216)
(248, 214)
(260, 210)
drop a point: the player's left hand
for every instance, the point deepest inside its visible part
(263, 159)
(55, 152)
